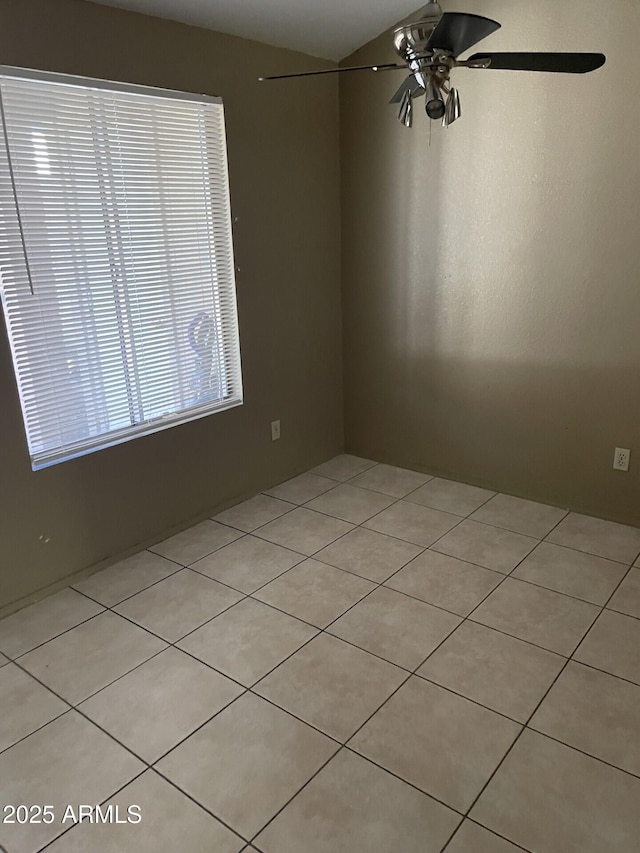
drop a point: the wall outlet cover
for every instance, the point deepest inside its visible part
(621, 459)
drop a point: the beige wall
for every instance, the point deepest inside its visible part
(284, 172)
(491, 282)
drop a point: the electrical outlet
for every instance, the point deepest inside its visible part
(275, 430)
(621, 459)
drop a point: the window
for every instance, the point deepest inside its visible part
(116, 260)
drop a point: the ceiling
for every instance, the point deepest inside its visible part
(331, 29)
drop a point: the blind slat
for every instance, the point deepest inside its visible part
(115, 212)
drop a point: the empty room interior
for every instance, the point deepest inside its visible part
(320, 426)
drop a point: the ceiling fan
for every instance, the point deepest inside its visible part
(430, 47)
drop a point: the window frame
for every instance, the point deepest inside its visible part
(90, 444)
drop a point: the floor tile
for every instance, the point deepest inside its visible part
(613, 644)
(161, 702)
(179, 604)
(627, 597)
(521, 516)
(315, 592)
(500, 672)
(548, 619)
(445, 582)
(247, 563)
(602, 538)
(413, 523)
(170, 821)
(350, 503)
(304, 531)
(260, 755)
(303, 488)
(571, 572)
(28, 628)
(3, 660)
(389, 480)
(253, 513)
(471, 838)
(89, 657)
(445, 745)
(126, 578)
(449, 496)
(343, 467)
(331, 685)
(395, 627)
(68, 762)
(26, 705)
(248, 640)
(352, 805)
(609, 726)
(195, 543)
(484, 545)
(549, 798)
(369, 554)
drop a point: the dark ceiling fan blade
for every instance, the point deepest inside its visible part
(388, 67)
(458, 31)
(559, 63)
(409, 85)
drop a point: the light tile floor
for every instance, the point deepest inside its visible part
(361, 659)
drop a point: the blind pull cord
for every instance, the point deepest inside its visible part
(15, 193)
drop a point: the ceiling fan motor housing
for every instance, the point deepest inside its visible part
(411, 40)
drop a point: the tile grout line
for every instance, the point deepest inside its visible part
(102, 802)
(43, 725)
(319, 630)
(298, 791)
(179, 567)
(303, 557)
(383, 583)
(301, 720)
(250, 690)
(409, 674)
(345, 745)
(468, 618)
(526, 726)
(344, 482)
(61, 634)
(111, 736)
(469, 517)
(376, 586)
(582, 751)
(542, 539)
(414, 672)
(468, 819)
(312, 556)
(516, 739)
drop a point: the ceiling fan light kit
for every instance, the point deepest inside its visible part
(430, 47)
(452, 110)
(433, 100)
(406, 110)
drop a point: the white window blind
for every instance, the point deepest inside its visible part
(116, 260)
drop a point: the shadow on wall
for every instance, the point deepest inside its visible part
(479, 423)
(490, 282)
